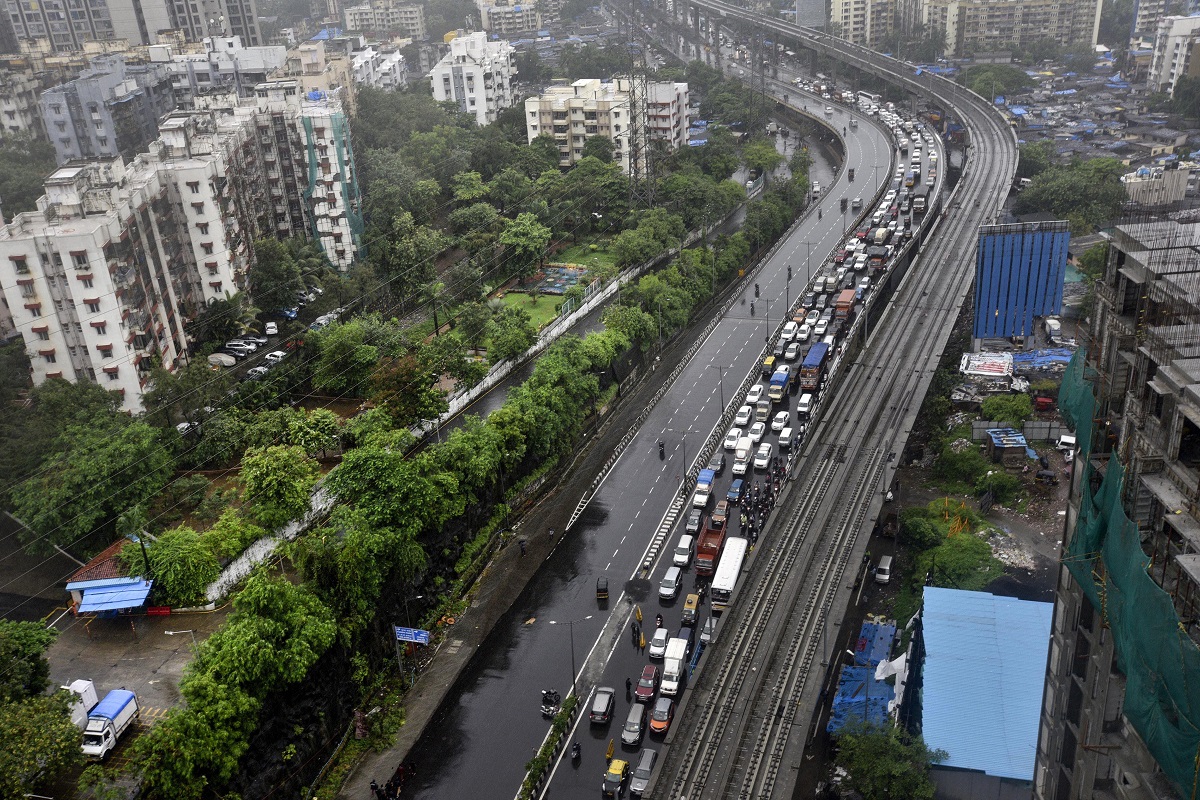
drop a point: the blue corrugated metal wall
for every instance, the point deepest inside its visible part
(1019, 272)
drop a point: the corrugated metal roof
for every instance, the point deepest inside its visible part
(115, 595)
(985, 667)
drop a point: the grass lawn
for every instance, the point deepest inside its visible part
(544, 310)
(580, 254)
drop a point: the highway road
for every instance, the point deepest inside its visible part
(748, 720)
(490, 725)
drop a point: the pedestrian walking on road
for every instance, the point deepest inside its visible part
(522, 543)
(628, 686)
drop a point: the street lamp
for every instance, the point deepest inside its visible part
(571, 625)
(177, 633)
(720, 382)
(407, 624)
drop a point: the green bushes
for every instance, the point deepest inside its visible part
(181, 565)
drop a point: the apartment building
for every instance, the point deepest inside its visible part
(505, 18)
(1176, 53)
(111, 109)
(477, 74)
(591, 107)
(864, 22)
(1120, 717)
(380, 68)
(218, 65)
(96, 279)
(984, 25)
(1147, 14)
(388, 19)
(69, 24)
(20, 100)
(314, 67)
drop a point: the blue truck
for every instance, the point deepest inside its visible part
(780, 380)
(812, 371)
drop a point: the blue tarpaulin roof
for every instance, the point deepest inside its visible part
(111, 594)
(859, 696)
(1045, 358)
(1018, 111)
(985, 666)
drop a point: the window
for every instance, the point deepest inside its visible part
(49, 358)
(194, 186)
(88, 283)
(112, 376)
(202, 227)
(207, 247)
(44, 335)
(80, 258)
(34, 310)
(198, 207)
(102, 141)
(93, 306)
(105, 350)
(22, 266)
(100, 327)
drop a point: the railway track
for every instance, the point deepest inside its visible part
(746, 723)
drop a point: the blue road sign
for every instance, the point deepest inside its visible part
(412, 635)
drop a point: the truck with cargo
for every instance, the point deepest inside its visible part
(704, 483)
(708, 548)
(813, 368)
(83, 700)
(918, 204)
(742, 454)
(844, 305)
(111, 717)
(780, 380)
(880, 236)
(674, 667)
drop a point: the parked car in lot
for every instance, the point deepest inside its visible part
(272, 329)
(275, 356)
(647, 684)
(731, 438)
(257, 372)
(602, 705)
(245, 347)
(254, 337)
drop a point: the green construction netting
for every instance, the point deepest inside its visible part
(1153, 649)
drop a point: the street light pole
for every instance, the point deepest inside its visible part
(720, 382)
(176, 633)
(407, 624)
(571, 626)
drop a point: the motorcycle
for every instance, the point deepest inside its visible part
(662, 450)
(551, 703)
(576, 752)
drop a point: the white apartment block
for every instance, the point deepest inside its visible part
(982, 25)
(96, 279)
(219, 65)
(476, 74)
(20, 98)
(505, 18)
(388, 18)
(382, 69)
(591, 107)
(863, 22)
(1176, 47)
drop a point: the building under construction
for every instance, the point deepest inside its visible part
(1121, 712)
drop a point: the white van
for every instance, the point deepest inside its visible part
(785, 439)
(804, 405)
(741, 455)
(669, 588)
(682, 555)
(883, 571)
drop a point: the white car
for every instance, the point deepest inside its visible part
(803, 332)
(762, 459)
(275, 356)
(811, 317)
(743, 416)
(789, 331)
(757, 431)
(658, 644)
(731, 438)
(755, 394)
(864, 282)
(821, 327)
(781, 421)
(272, 329)
(792, 352)
(933, 158)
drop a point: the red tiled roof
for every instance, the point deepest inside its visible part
(104, 565)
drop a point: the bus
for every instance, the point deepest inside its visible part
(869, 98)
(728, 570)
